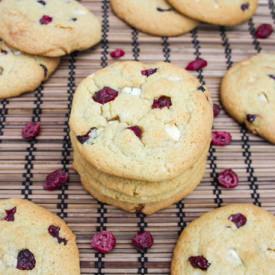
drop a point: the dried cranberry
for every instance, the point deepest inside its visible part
(221, 138)
(245, 6)
(10, 214)
(251, 118)
(25, 260)
(84, 138)
(239, 219)
(272, 76)
(264, 31)
(228, 179)
(42, 2)
(143, 240)
(105, 95)
(162, 102)
(103, 242)
(199, 262)
(45, 20)
(216, 109)
(149, 72)
(196, 65)
(54, 232)
(117, 53)
(136, 130)
(31, 130)
(56, 179)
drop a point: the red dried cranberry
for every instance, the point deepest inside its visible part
(105, 95)
(264, 31)
(31, 130)
(54, 231)
(56, 179)
(162, 102)
(117, 53)
(10, 214)
(149, 72)
(143, 240)
(251, 118)
(103, 242)
(137, 131)
(216, 109)
(220, 138)
(25, 260)
(228, 179)
(84, 138)
(239, 219)
(196, 65)
(199, 262)
(245, 6)
(45, 20)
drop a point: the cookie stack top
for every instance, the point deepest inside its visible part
(145, 122)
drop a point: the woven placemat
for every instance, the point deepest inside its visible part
(23, 165)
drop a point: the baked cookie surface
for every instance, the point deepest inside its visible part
(144, 122)
(48, 28)
(248, 94)
(155, 17)
(35, 241)
(20, 72)
(222, 12)
(235, 239)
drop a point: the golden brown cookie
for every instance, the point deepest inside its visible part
(248, 94)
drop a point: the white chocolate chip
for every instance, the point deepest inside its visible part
(92, 136)
(262, 97)
(17, 53)
(174, 78)
(251, 79)
(80, 12)
(234, 257)
(173, 131)
(132, 91)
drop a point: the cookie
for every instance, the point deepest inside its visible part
(135, 191)
(142, 122)
(21, 73)
(227, 13)
(96, 189)
(48, 27)
(155, 17)
(236, 239)
(35, 241)
(248, 94)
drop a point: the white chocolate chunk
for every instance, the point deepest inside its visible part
(262, 97)
(174, 78)
(80, 12)
(234, 257)
(132, 91)
(92, 136)
(174, 132)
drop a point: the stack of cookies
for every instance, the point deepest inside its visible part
(175, 17)
(141, 134)
(35, 34)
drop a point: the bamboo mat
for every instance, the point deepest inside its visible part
(23, 165)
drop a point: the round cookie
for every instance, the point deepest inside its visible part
(224, 12)
(236, 239)
(48, 27)
(248, 94)
(137, 191)
(21, 73)
(155, 17)
(142, 122)
(35, 241)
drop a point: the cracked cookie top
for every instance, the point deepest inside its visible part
(146, 122)
(48, 27)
